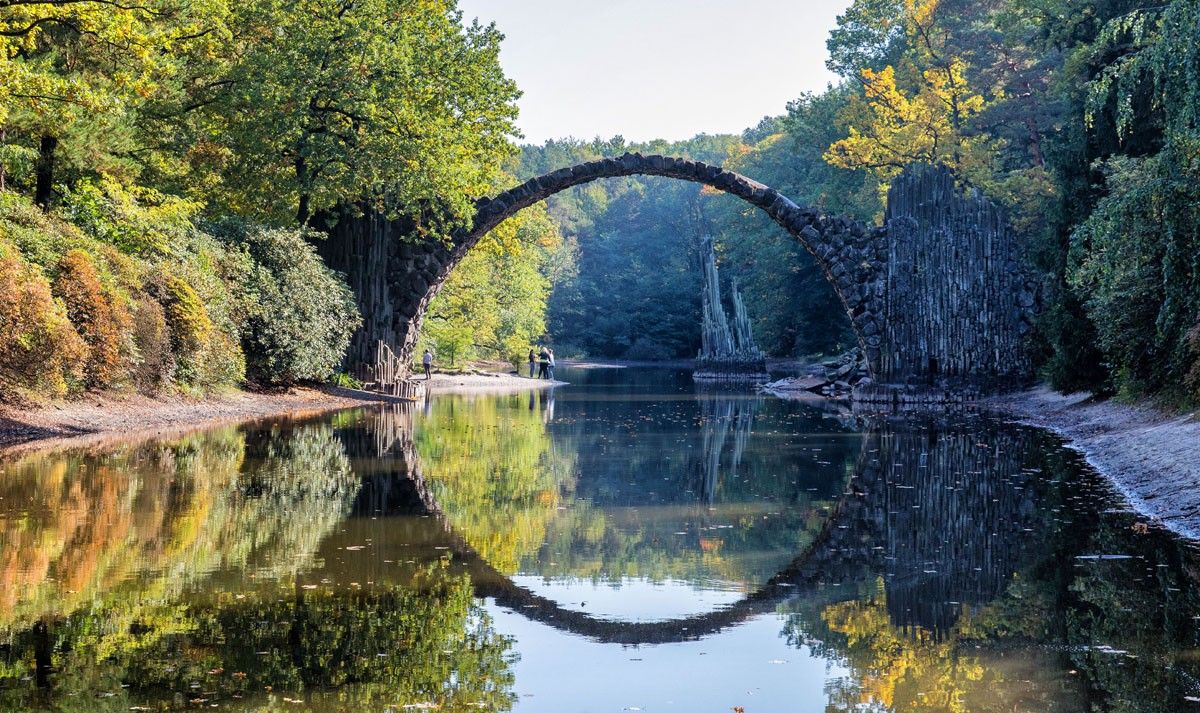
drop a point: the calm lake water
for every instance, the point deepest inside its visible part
(626, 543)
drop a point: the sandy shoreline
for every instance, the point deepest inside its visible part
(1151, 457)
(98, 417)
(475, 383)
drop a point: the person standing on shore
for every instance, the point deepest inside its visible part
(550, 366)
(427, 362)
(543, 363)
(532, 362)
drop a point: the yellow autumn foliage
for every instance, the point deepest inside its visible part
(897, 127)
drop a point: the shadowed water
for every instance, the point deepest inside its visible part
(625, 543)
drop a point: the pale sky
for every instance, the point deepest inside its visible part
(650, 69)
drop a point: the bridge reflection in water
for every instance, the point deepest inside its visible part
(938, 512)
(947, 562)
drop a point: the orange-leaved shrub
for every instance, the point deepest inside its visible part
(41, 355)
(100, 319)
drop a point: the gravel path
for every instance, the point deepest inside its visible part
(1152, 457)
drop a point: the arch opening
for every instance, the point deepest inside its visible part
(849, 253)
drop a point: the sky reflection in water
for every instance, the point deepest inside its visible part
(624, 543)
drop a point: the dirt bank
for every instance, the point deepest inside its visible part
(1152, 457)
(115, 414)
(104, 415)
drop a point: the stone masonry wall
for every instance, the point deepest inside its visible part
(392, 277)
(959, 306)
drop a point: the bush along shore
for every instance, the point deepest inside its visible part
(128, 290)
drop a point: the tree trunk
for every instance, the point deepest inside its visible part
(43, 191)
(1035, 142)
(43, 654)
(302, 210)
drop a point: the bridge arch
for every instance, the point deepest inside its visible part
(839, 553)
(848, 252)
(868, 532)
(834, 557)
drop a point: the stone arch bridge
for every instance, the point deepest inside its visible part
(936, 295)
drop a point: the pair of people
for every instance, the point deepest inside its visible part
(544, 361)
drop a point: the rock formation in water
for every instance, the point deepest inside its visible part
(725, 351)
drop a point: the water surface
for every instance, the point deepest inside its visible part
(629, 542)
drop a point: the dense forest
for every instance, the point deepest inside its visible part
(166, 168)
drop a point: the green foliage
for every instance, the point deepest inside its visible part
(343, 380)
(1071, 360)
(869, 35)
(1192, 380)
(85, 80)
(1134, 258)
(44, 239)
(1134, 255)
(188, 321)
(136, 220)
(395, 104)
(493, 304)
(296, 315)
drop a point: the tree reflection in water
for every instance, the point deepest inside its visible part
(168, 572)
